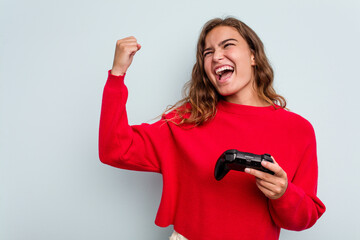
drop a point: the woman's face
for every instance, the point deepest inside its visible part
(228, 63)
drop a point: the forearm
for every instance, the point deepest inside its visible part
(122, 145)
(296, 210)
(113, 116)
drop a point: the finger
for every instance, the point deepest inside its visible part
(130, 38)
(272, 190)
(263, 188)
(274, 167)
(123, 43)
(268, 185)
(259, 174)
(128, 44)
(134, 50)
(268, 193)
(129, 48)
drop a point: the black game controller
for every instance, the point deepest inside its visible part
(235, 160)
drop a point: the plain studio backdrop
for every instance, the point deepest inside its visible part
(54, 58)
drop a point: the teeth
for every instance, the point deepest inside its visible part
(220, 70)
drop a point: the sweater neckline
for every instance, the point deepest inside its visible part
(243, 109)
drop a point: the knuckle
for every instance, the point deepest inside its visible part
(285, 174)
(266, 177)
(122, 46)
(132, 38)
(261, 176)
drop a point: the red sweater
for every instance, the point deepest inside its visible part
(196, 204)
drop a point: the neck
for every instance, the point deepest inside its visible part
(250, 98)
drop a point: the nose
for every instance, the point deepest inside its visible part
(218, 55)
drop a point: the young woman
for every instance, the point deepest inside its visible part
(230, 104)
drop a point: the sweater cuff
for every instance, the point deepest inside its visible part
(115, 82)
(292, 195)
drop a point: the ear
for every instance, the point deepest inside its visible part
(252, 57)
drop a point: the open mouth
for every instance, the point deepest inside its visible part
(224, 72)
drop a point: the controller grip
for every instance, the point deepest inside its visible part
(221, 169)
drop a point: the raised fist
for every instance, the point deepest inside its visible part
(124, 53)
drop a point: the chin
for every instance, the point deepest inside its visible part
(225, 93)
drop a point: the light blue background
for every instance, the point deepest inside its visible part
(54, 57)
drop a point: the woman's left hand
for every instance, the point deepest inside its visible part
(273, 186)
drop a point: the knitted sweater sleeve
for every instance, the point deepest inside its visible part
(299, 208)
(123, 146)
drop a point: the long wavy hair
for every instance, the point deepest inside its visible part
(201, 97)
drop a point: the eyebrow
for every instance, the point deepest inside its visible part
(222, 43)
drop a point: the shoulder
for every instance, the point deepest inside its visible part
(294, 121)
(176, 114)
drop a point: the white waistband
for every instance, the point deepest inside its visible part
(177, 236)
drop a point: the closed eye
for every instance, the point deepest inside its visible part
(229, 44)
(206, 53)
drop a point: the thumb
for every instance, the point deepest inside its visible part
(138, 46)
